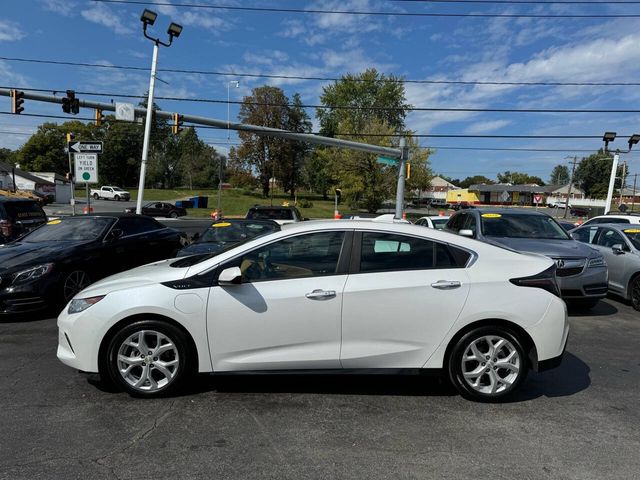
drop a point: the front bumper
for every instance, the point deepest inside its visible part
(590, 283)
(28, 298)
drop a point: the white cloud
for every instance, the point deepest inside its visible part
(103, 15)
(62, 7)
(10, 32)
(486, 127)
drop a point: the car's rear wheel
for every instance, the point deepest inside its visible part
(634, 295)
(73, 282)
(149, 358)
(487, 364)
(173, 214)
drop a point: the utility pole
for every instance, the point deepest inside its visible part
(624, 174)
(633, 199)
(573, 169)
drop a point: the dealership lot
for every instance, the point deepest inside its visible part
(579, 421)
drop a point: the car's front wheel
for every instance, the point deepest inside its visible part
(634, 293)
(149, 358)
(96, 196)
(117, 198)
(173, 214)
(487, 364)
(73, 282)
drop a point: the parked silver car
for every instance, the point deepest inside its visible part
(620, 246)
(581, 271)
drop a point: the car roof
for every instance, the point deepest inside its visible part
(505, 211)
(615, 226)
(275, 207)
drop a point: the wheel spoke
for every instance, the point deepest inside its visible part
(164, 371)
(477, 355)
(142, 344)
(163, 349)
(144, 376)
(474, 373)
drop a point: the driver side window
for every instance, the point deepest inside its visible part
(609, 238)
(303, 256)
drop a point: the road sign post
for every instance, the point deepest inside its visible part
(86, 170)
(537, 199)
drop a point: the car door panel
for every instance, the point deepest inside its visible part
(274, 326)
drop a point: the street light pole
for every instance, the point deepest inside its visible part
(612, 180)
(237, 84)
(149, 18)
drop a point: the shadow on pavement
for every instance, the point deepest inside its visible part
(571, 377)
(602, 309)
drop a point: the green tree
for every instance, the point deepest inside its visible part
(268, 107)
(295, 153)
(518, 178)
(475, 180)
(559, 175)
(593, 172)
(7, 156)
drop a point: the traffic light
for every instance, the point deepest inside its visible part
(17, 99)
(176, 128)
(408, 171)
(70, 137)
(70, 104)
(99, 117)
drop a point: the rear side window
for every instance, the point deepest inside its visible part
(389, 252)
(18, 211)
(270, 214)
(585, 235)
(134, 226)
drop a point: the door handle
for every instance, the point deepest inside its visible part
(321, 294)
(446, 284)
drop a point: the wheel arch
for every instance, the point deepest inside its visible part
(104, 344)
(633, 277)
(523, 336)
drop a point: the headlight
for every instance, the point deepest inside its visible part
(81, 304)
(32, 273)
(597, 262)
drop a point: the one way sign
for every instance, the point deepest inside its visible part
(86, 147)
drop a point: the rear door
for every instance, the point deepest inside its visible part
(402, 295)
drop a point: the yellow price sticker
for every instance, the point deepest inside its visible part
(221, 224)
(632, 230)
(54, 222)
(491, 215)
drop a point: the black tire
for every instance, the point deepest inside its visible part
(634, 293)
(96, 196)
(73, 281)
(181, 353)
(510, 380)
(173, 214)
(117, 198)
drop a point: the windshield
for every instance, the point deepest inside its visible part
(521, 226)
(439, 223)
(270, 214)
(633, 234)
(70, 229)
(235, 232)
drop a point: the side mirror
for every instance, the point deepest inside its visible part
(466, 232)
(230, 276)
(114, 235)
(618, 249)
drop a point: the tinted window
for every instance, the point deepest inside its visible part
(23, 210)
(311, 255)
(455, 222)
(70, 229)
(521, 226)
(386, 252)
(470, 222)
(609, 238)
(633, 234)
(607, 220)
(136, 225)
(586, 234)
(270, 214)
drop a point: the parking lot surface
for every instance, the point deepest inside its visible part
(580, 421)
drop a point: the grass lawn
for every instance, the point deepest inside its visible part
(235, 202)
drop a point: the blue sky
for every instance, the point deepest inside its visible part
(329, 45)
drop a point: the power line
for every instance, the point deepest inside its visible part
(319, 78)
(528, 2)
(365, 13)
(344, 107)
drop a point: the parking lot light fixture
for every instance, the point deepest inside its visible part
(633, 140)
(608, 137)
(148, 18)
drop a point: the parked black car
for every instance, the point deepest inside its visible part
(226, 233)
(159, 209)
(48, 266)
(19, 216)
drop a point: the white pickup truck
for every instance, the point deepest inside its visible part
(110, 193)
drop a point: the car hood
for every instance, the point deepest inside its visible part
(203, 247)
(151, 273)
(548, 247)
(20, 254)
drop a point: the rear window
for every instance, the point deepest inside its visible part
(270, 214)
(18, 211)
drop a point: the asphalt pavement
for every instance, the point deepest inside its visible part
(579, 421)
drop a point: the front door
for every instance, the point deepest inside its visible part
(616, 261)
(286, 312)
(407, 294)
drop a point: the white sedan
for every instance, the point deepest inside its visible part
(333, 296)
(435, 221)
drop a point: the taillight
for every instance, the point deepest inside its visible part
(545, 280)
(6, 228)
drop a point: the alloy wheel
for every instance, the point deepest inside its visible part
(148, 361)
(635, 294)
(74, 282)
(490, 364)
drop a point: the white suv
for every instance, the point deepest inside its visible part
(614, 218)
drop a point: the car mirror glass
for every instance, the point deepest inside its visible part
(230, 276)
(617, 249)
(466, 232)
